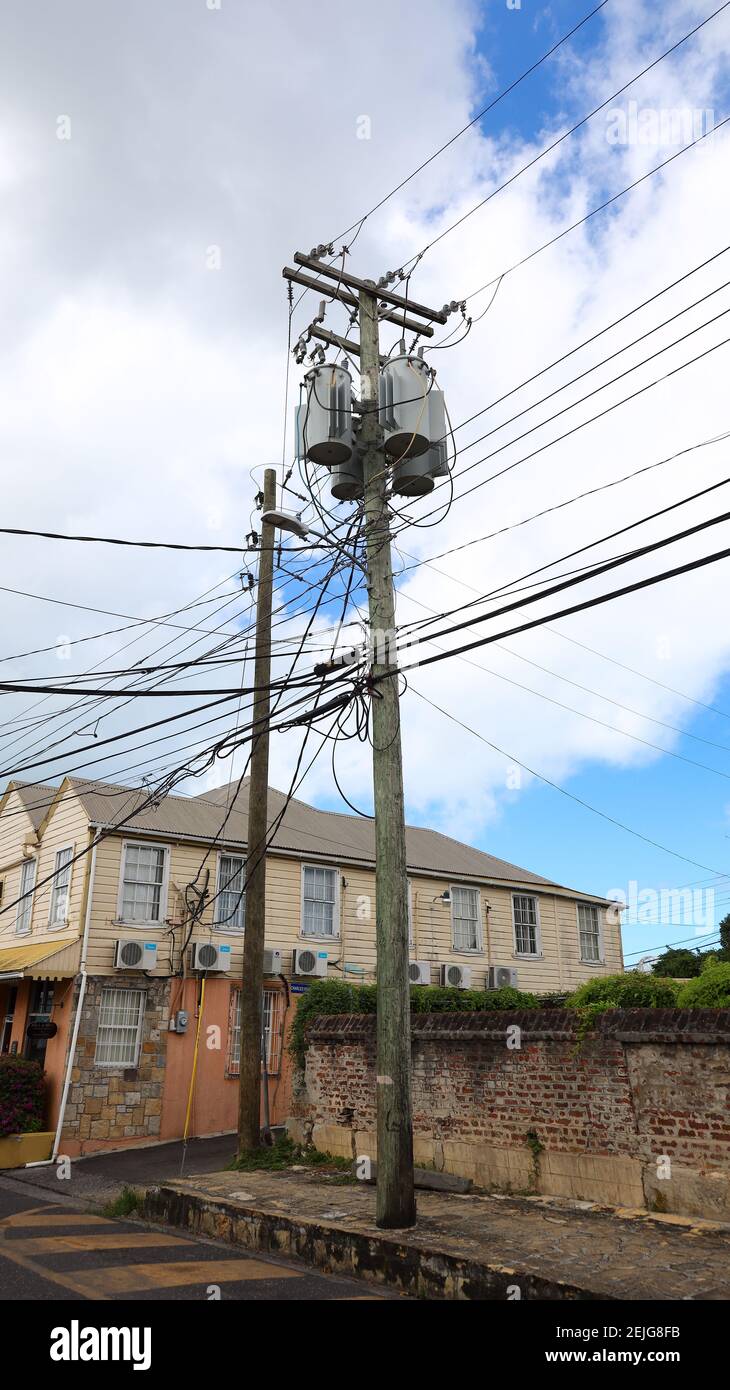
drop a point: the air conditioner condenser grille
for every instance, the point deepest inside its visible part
(131, 953)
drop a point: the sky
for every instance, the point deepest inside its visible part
(159, 165)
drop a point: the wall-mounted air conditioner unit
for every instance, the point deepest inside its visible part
(272, 961)
(419, 972)
(205, 956)
(499, 976)
(456, 976)
(133, 954)
(309, 962)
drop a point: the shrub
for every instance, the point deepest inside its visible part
(21, 1096)
(710, 990)
(630, 991)
(679, 962)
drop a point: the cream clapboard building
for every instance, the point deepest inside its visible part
(167, 878)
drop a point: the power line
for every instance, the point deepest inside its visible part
(475, 119)
(459, 496)
(575, 608)
(554, 144)
(594, 211)
(556, 506)
(556, 787)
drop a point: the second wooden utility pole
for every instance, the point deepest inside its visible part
(249, 1101)
(395, 1199)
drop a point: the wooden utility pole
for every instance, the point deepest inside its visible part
(395, 1199)
(249, 1099)
(395, 1205)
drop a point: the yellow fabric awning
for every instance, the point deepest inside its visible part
(41, 960)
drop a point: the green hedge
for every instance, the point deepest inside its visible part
(630, 991)
(21, 1096)
(339, 997)
(710, 990)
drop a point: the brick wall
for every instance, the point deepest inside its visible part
(634, 1113)
(107, 1104)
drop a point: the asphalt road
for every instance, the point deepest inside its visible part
(56, 1251)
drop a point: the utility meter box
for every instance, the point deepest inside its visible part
(181, 1021)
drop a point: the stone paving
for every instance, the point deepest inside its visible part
(616, 1253)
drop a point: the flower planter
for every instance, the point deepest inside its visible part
(18, 1149)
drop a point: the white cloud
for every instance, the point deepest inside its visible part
(139, 388)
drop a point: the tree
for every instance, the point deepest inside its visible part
(724, 930)
(678, 962)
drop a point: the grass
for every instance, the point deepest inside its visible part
(128, 1201)
(284, 1155)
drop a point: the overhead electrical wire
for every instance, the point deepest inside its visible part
(580, 801)
(565, 135)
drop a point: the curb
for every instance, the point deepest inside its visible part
(429, 1272)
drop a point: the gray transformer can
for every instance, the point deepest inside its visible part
(324, 424)
(413, 477)
(404, 412)
(346, 481)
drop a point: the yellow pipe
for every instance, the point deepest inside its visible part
(195, 1059)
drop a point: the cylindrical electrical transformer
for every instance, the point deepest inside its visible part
(404, 415)
(346, 480)
(325, 423)
(412, 477)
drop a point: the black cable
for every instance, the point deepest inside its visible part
(556, 787)
(565, 135)
(475, 119)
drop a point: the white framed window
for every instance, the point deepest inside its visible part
(58, 911)
(273, 1024)
(589, 932)
(526, 923)
(25, 904)
(143, 884)
(320, 901)
(119, 1033)
(466, 927)
(230, 903)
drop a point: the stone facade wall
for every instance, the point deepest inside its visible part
(107, 1104)
(634, 1113)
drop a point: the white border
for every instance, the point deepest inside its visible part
(164, 890)
(58, 926)
(123, 1066)
(228, 926)
(311, 936)
(582, 902)
(527, 955)
(25, 931)
(468, 950)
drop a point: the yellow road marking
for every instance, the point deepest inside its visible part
(129, 1278)
(67, 1281)
(122, 1240)
(81, 1218)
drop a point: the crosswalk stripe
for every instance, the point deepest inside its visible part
(116, 1240)
(133, 1278)
(73, 1218)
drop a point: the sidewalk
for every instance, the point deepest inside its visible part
(478, 1246)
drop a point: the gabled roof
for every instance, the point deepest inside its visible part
(35, 799)
(222, 815)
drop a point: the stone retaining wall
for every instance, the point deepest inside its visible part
(634, 1113)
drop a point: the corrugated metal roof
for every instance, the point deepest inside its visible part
(303, 830)
(35, 798)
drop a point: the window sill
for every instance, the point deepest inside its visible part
(528, 955)
(583, 961)
(468, 951)
(136, 926)
(302, 937)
